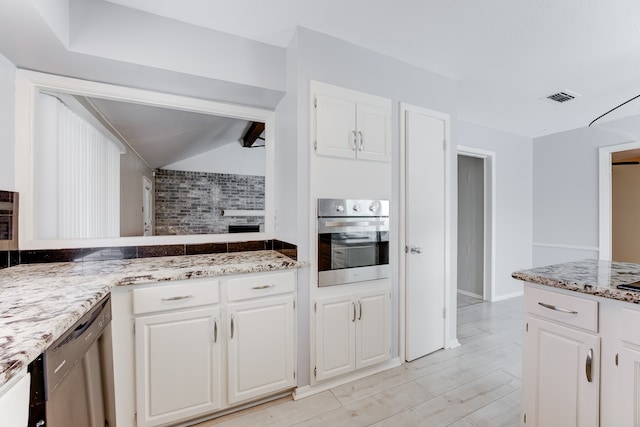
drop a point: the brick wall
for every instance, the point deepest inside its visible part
(191, 202)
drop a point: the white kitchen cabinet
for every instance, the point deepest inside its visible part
(188, 358)
(629, 386)
(352, 331)
(629, 368)
(351, 124)
(561, 360)
(562, 375)
(177, 352)
(14, 401)
(260, 347)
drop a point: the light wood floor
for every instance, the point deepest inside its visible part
(476, 384)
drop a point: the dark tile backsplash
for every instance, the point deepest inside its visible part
(10, 258)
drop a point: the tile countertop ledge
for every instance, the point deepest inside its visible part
(593, 277)
(39, 302)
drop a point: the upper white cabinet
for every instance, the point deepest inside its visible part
(350, 124)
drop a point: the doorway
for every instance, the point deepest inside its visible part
(147, 206)
(470, 230)
(619, 171)
(476, 225)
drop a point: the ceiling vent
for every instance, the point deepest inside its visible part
(562, 97)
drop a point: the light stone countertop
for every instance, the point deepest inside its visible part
(39, 302)
(593, 277)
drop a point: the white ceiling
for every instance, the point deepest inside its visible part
(163, 136)
(505, 54)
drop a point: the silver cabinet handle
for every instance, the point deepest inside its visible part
(354, 311)
(355, 140)
(177, 298)
(232, 327)
(560, 309)
(257, 288)
(215, 330)
(415, 249)
(359, 310)
(361, 139)
(588, 364)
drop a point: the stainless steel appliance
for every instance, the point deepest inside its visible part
(69, 381)
(353, 240)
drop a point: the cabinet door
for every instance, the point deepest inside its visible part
(374, 132)
(556, 362)
(373, 329)
(335, 336)
(261, 353)
(335, 127)
(629, 387)
(177, 365)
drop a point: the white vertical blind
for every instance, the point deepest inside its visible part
(87, 172)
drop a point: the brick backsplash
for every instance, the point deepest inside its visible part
(192, 202)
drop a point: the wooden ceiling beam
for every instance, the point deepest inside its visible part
(252, 134)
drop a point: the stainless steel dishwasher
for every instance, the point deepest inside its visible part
(70, 380)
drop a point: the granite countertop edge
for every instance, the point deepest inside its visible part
(593, 277)
(39, 302)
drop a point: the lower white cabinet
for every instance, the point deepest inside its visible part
(581, 360)
(14, 401)
(177, 365)
(561, 374)
(260, 347)
(352, 331)
(561, 361)
(201, 346)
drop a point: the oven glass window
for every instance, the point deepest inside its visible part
(337, 251)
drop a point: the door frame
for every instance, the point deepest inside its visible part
(450, 338)
(489, 164)
(605, 198)
(147, 183)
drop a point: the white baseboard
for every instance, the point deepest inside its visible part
(508, 296)
(310, 390)
(469, 294)
(453, 344)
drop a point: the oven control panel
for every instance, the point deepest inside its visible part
(352, 207)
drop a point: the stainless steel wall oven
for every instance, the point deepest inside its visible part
(353, 240)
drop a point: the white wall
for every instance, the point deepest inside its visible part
(7, 114)
(565, 194)
(330, 60)
(513, 201)
(106, 44)
(231, 158)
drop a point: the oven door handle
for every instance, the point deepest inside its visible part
(354, 223)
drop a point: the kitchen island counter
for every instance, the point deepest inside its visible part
(599, 278)
(39, 302)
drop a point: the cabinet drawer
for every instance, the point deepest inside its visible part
(260, 286)
(573, 311)
(629, 321)
(180, 295)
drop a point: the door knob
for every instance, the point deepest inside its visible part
(415, 250)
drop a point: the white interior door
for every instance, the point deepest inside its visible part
(147, 205)
(425, 133)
